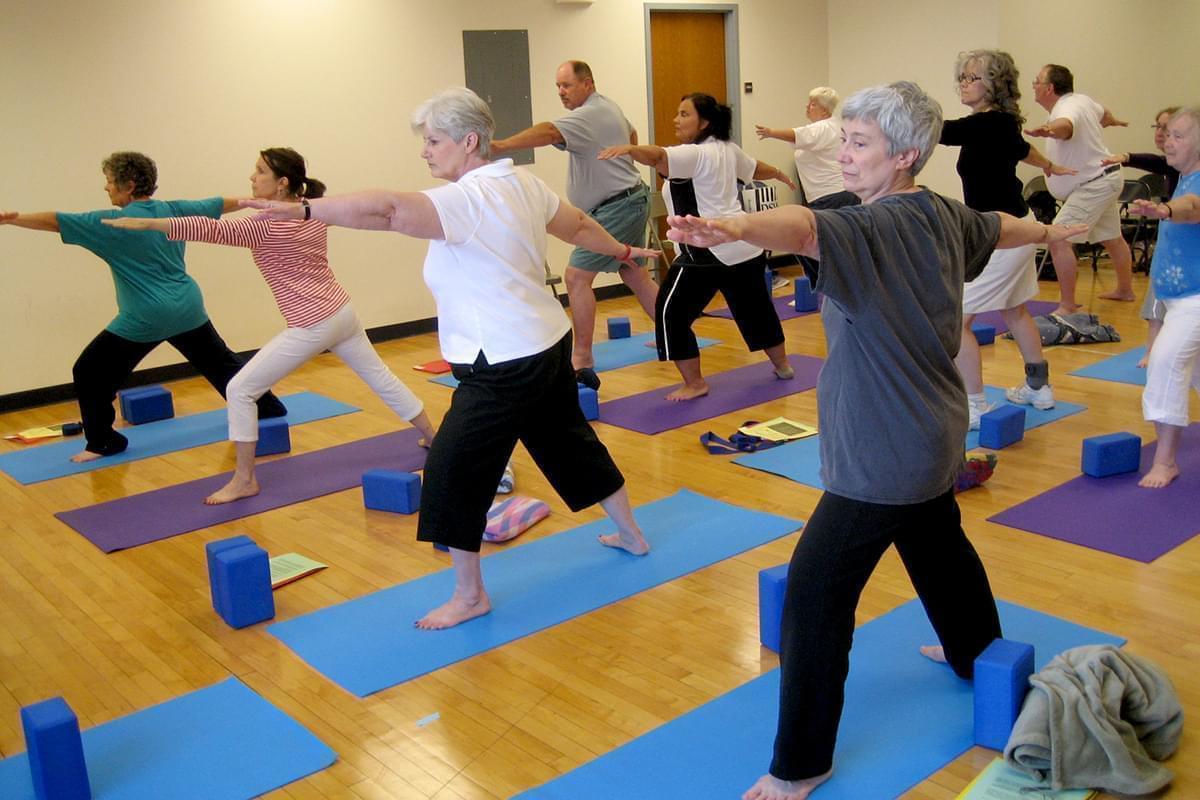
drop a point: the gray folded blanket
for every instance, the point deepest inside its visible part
(1098, 718)
(1077, 328)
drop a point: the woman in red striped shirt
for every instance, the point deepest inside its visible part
(293, 258)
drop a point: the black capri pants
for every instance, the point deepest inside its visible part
(690, 286)
(534, 400)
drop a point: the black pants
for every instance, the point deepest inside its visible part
(837, 552)
(108, 361)
(534, 400)
(689, 287)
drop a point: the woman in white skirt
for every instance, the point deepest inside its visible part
(991, 142)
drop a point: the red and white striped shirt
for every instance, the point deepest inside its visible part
(292, 256)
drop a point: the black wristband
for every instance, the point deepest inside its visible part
(1170, 211)
(307, 208)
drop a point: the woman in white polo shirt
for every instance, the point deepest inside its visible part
(506, 338)
(702, 175)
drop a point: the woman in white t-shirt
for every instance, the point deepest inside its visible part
(508, 341)
(702, 176)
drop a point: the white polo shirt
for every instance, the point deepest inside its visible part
(1084, 150)
(817, 146)
(488, 275)
(702, 180)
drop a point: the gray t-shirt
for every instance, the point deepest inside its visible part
(595, 125)
(892, 405)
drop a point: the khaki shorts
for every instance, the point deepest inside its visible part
(625, 220)
(1094, 204)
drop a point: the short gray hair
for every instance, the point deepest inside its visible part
(908, 118)
(825, 97)
(457, 112)
(1193, 113)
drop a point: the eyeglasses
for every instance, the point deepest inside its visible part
(968, 78)
(1158, 127)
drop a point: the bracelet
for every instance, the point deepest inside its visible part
(628, 252)
(307, 208)
(1170, 211)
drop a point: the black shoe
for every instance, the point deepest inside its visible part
(588, 377)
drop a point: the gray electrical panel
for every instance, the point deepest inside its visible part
(497, 68)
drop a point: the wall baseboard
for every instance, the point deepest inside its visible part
(173, 372)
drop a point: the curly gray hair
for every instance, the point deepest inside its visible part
(908, 118)
(1000, 77)
(457, 112)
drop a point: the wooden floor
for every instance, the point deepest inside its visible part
(117, 633)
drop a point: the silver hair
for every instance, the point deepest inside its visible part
(457, 112)
(1192, 112)
(1000, 77)
(825, 97)
(908, 118)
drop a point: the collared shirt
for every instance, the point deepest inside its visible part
(817, 146)
(488, 274)
(1084, 150)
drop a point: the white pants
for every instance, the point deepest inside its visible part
(1172, 366)
(344, 335)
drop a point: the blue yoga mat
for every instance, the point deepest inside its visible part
(220, 743)
(369, 644)
(1121, 368)
(801, 461)
(609, 354)
(49, 461)
(905, 718)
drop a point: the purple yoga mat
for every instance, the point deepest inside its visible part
(782, 308)
(163, 513)
(1035, 308)
(1116, 515)
(650, 412)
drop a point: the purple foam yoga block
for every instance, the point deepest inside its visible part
(55, 748)
(391, 490)
(1002, 673)
(1112, 454)
(771, 586)
(146, 404)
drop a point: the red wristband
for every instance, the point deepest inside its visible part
(628, 252)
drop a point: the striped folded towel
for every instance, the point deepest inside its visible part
(512, 517)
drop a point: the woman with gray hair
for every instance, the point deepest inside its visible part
(892, 272)
(816, 147)
(507, 340)
(992, 145)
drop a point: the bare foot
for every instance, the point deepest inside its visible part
(934, 652)
(785, 373)
(84, 456)
(633, 542)
(1126, 296)
(236, 489)
(1160, 475)
(769, 787)
(686, 392)
(454, 611)
(1143, 361)
(1063, 310)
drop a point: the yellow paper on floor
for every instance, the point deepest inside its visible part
(780, 429)
(292, 567)
(1002, 782)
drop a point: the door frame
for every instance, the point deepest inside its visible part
(732, 60)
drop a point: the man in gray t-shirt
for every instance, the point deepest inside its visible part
(610, 191)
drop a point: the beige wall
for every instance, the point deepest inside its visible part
(201, 87)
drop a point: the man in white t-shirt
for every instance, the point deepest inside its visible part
(817, 146)
(611, 192)
(1090, 195)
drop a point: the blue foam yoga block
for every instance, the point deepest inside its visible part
(55, 749)
(589, 401)
(273, 437)
(1112, 454)
(146, 404)
(1002, 427)
(210, 552)
(1002, 673)
(392, 490)
(242, 585)
(772, 583)
(806, 298)
(618, 328)
(984, 334)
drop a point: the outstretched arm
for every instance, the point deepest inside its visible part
(1109, 121)
(41, 221)
(786, 134)
(573, 226)
(162, 224)
(540, 135)
(1061, 128)
(787, 229)
(649, 154)
(765, 172)
(1184, 209)
(410, 213)
(1016, 232)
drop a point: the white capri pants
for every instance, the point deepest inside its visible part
(1172, 366)
(292, 348)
